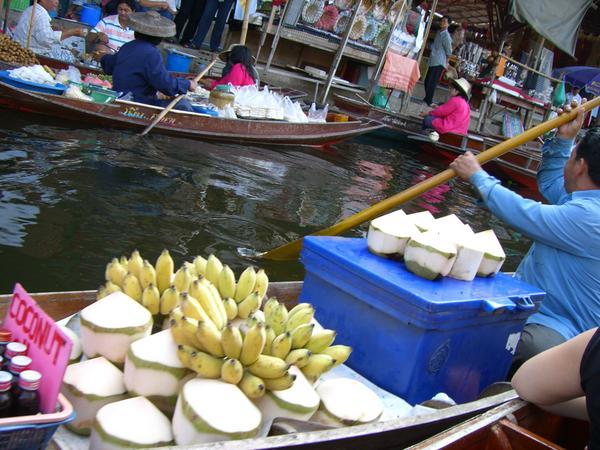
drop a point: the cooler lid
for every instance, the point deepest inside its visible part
(352, 256)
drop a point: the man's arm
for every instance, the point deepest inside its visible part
(447, 43)
(550, 176)
(161, 80)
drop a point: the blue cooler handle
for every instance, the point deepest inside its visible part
(498, 305)
(524, 303)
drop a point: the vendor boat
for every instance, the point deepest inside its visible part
(287, 433)
(137, 116)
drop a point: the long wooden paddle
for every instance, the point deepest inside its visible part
(174, 102)
(291, 250)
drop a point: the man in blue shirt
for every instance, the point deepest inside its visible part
(564, 259)
(440, 50)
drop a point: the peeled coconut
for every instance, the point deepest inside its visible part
(345, 401)
(422, 220)
(446, 223)
(111, 324)
(468, 258)
(213, 410)
(298, 402)
(153, 370)
(90, 385)
(76, 349)
(493, 256)
(131, 423)
(389, 234)
(430, 255)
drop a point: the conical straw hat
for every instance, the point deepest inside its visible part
(152, 24)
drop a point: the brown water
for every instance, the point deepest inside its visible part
(73, 198)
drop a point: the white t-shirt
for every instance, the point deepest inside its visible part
(43, 37)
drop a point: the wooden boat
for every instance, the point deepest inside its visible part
(397, 433)
(513, 425)
(136, 116)
(520, 165)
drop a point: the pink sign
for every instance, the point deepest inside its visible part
(48, 346)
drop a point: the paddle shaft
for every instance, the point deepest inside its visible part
(174, 102)
(31, 23)
(291, 250)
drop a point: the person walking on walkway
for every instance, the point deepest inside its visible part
(222, 10)
(440, 50)
(189, 13)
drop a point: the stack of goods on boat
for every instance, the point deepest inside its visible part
(12, 52)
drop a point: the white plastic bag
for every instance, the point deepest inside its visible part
(227, 113)
(317, 115)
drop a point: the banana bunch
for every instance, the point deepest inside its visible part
(296, 341)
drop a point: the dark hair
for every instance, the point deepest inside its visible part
(130, 3)
(154, 40)
(589, 150)
(240, 54)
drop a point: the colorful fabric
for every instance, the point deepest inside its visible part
(117, 35)
(564, 259)
(452, 117)
(399, 72)
(237, 76)
(511, 125)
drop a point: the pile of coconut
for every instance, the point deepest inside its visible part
(432, 248)
(130, 390)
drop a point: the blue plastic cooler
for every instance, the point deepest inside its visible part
(412, 336)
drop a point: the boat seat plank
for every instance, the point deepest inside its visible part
(523, 439)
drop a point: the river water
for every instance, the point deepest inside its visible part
(73, 198)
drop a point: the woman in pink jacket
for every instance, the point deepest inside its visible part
(454, 115)
(239, 67)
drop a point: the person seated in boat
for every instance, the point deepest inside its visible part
(111, 32)
(138, 66)
(564, 259)
(454, 115)
(239, 68)
(573, 387)
(44, 40)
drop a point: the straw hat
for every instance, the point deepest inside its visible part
(152, 24)
(225, 54)
(463, 86)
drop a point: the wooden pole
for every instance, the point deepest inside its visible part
(484, 105)
(340, 52)
(6, 13)
(244, 32)
(275, 42)
(427, 30)
(291, 250)
(31, 23)
(174, 102)
(263, 36)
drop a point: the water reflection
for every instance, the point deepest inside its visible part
(73, 198)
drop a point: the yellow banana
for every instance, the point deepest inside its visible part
(184, 353)
(183, 278)
(202, 293)
(226, 282)
(298, 357)
(131, 286)
(254, 343)
(277, 317)
(300, 317)
(245, 284)
(180, 336)
(210, 338)
(213, 269)
(164, 271)
(206, 365)
(270, 337)
(176, 313)
(320, 340)
(135, 264)
(302, 334)
(232, 371)
(317, 365)
(169, 300)
(252, 386)
(261, 284)
(189, 327)
(248, 305)
(269, 309)
(101, 292)
(282, 345)
(279, 384)
(232, 341)
(115, 273)
(200, 265)
(340, 353)
(231, 308)
(191, 307)
(217, 300)
(124, 263)
(151, 299)
(106, 289)
(268, 367)
(147, 274)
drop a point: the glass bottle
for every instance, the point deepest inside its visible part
(5, 337)
(6, 398)
(17, 365)
(27, 397)
(13, 349)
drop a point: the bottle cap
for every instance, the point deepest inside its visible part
(30, 380)
(5, 335)
(19, 363)
(5, 381)
(15, 348)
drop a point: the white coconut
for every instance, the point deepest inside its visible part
(430, 255)
(111, 324)
(446, 223)
(422, 220)
(468, 259)
(213, 410)
(345, 401)
(90, 385)
(76, 349)
(493, 256)
(389, 234)
(298, 402)
(131, 423)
